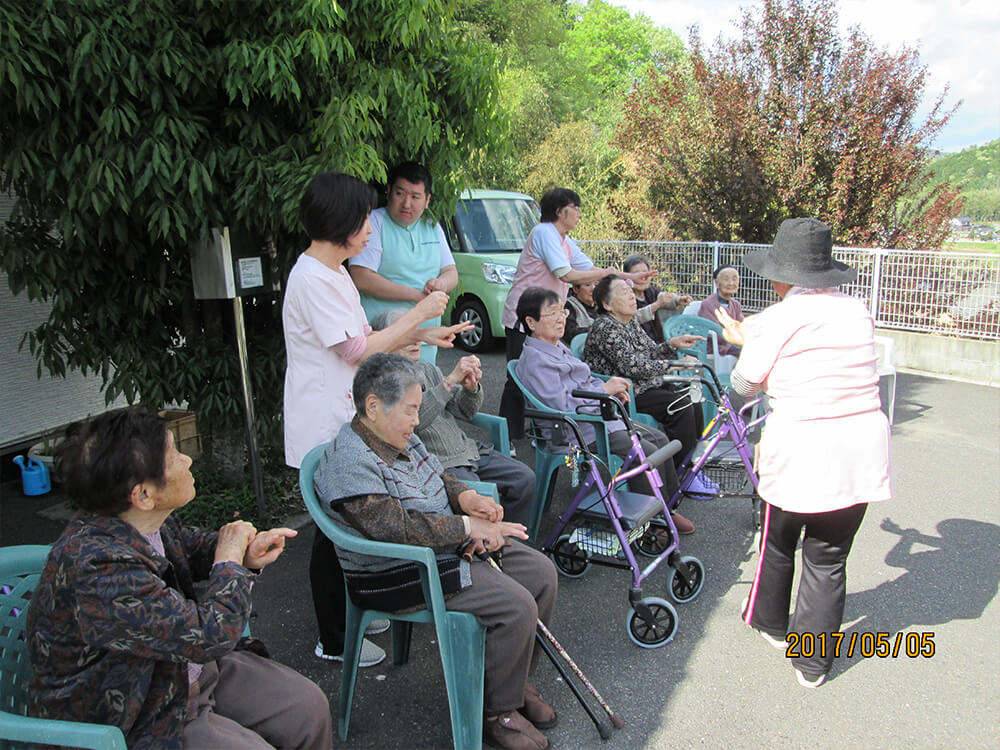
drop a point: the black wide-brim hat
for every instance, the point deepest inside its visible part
(802, 255)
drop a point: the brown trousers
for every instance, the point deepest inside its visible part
(246, 702)
(509, 604)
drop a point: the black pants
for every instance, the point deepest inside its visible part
(819, 605)
(511, 401)
(683, 425)
(326, 578)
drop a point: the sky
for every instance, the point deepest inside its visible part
(958, 41)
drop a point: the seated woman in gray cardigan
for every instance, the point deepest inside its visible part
(460, 394)
(378, 479)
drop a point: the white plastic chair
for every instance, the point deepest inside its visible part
(885, 367)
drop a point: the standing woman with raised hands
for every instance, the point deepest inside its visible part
(824, 452)
(327, 336)
(550, 260)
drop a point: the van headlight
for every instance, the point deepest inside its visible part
(497, 273)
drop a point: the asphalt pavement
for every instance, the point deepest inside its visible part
(925, 565)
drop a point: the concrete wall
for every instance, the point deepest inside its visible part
(971, 360)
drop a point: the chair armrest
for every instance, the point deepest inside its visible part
(497, 428)
(484, 488)
(60, 733)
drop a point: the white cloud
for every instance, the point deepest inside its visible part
(957, 40)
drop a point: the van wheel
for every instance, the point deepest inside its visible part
(478, 338)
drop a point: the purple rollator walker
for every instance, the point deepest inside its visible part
(726, 456)
(609, 523)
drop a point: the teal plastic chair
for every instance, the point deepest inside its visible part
(549, 459)
(497, 429)
(461, 639)
(699, 326)
(20, 568)
(577, 344)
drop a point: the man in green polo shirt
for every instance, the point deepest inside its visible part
(406, 257)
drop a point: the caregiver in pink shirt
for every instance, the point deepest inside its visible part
(824, 452)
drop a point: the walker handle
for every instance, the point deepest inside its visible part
(662, 454)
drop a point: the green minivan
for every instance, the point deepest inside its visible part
(487, 234)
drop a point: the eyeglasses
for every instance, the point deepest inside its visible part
(564, 313)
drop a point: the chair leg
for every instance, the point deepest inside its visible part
(353, 636)
(463, 659)
(892, 398)
(402, 631)
(545, 476)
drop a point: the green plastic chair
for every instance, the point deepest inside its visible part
(497, 429)
(20, 568)
(577, 344)
(461, 639)
(548, 460)
(699, 326)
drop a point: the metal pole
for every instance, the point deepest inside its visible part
(241, 348)
(876, 282)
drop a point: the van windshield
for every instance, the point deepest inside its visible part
(495, 225)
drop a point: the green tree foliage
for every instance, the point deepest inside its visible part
(789, 120)
(131, 128)
(977, 171)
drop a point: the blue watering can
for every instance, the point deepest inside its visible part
(34, 476)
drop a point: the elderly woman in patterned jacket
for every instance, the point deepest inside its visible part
(617, 345)
(117, 634)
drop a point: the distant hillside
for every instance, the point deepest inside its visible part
(977, 169)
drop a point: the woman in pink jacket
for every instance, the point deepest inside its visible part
(824, 452)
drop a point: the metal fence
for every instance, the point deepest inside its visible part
(955, 294)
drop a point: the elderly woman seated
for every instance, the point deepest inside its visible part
(549, 370)
(460, 394)
(727, 283)
(378, 479)
(617, 345)
(650, 300)
(117, 634)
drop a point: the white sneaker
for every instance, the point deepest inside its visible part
(779, 644)
(370, 654)
(377, 626)
(807, 683)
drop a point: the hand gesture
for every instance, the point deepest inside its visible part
(233, 539)
(434, 285)
(432, 306)
(480, 506)
(468, 371)
(638, 276)
(685, 341)
(266, 547)
(443, 335)
(732, 330)
(617, 387)
(488, 536)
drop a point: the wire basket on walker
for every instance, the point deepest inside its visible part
(607, 524)
(725, 453)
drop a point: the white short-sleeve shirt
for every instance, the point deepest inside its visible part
(322, 308)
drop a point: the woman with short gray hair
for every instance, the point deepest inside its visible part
(378, 479)
(459, 395)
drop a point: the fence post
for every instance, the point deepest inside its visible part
(715, 257)
(876, 281)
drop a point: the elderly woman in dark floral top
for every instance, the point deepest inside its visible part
(618, 346)
(117, 634)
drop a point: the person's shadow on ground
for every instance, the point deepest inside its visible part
(954, 580)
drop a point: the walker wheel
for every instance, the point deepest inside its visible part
(658, 632)
(570, 560)
(654, 541)
(681, 591)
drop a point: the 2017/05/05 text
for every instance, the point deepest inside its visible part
(867, 645)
